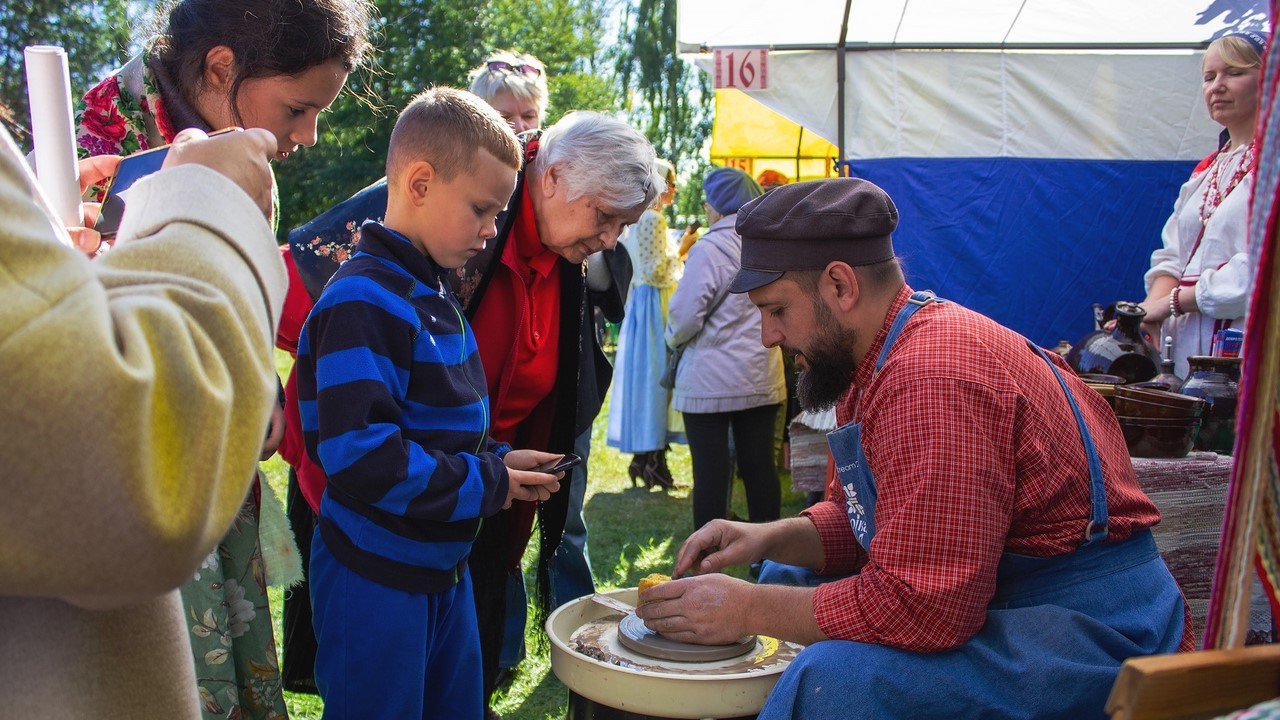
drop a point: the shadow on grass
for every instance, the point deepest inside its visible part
(641, 535)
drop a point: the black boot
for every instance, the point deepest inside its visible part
(636, 470)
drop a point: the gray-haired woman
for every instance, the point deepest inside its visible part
(515, 85)
(529, 297)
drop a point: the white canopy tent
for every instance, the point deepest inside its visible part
(1040, 142)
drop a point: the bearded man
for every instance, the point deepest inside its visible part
(991, 555)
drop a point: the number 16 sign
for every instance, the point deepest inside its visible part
(742, 68)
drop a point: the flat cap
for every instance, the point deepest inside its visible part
(807, 225)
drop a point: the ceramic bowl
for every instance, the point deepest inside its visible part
(1149, 402)
(1134, 407)
(1159, 437)
(1102, 379)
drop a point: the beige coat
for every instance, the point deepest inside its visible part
(137, 389)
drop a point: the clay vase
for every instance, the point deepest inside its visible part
(1166, 380)
(1120, 351)
(1217, 380)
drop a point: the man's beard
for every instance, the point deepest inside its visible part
(830, 360)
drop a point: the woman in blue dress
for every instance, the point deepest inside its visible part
(639, 411)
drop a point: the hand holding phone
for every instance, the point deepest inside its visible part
(242, 158)
(532, 477)
(568, 462)
(93, 171)
(130, 170)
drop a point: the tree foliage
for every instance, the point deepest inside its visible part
(670, 100)
(95, 34)
(422, 43)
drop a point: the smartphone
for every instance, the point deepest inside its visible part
(132, 169)
(568, 462)
(693, 226)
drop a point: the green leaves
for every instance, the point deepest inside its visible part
(420, 43)
(671, 100)
(95, 34)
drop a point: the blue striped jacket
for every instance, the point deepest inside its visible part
(395, 408)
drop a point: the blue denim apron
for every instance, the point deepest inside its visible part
(1056, 631)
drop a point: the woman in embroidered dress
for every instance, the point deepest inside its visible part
(1199, 281)
(639, 412)
(273, 64)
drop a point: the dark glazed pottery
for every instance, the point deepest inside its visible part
(1120, 351)
(1217, 380)
(1159, 437)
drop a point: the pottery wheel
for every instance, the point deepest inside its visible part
(634, 635)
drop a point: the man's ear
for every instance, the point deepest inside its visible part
(419, 179)
(219, 69)
(838, 286)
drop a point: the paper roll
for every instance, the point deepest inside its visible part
(53, 132)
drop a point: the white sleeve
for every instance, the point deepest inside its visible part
(1224, 292)
(687, 309)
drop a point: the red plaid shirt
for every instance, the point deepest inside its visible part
(976, 453)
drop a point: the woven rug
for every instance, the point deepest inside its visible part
(1191, 493)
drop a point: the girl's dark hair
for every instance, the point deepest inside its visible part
(269, 37)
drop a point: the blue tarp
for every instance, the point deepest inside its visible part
(1032, 243)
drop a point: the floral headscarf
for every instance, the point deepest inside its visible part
(124, 113)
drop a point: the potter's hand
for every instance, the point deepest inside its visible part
(709, 610)
(719, 544)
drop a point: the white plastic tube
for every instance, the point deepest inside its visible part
(52, 131)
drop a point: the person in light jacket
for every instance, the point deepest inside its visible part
(726, 380)
(140, 388)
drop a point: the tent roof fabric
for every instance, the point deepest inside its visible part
(704, 24)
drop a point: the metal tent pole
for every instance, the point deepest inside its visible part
(840, 54)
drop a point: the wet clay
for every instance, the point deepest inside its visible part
(598, 640)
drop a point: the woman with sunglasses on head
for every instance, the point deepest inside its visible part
(515, 86)
(271, 64)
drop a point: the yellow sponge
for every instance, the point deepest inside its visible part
(652, 580)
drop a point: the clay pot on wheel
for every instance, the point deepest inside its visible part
(1217, 380)
(1120, 351)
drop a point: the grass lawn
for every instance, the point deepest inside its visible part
(631, 533)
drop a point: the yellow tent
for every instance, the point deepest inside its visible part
(751, 137)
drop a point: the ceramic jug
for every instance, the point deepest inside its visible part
(1217, 380)
(1120, 351)
(1167, 379)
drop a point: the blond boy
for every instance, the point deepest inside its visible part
(395, 410)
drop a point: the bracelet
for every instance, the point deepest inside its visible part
(1175, 308)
